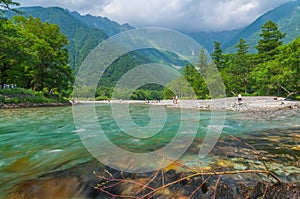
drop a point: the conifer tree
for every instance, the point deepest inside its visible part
(271, 38)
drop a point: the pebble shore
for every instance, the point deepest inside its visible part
(260, 107)
(231, 104)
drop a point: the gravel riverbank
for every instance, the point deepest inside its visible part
(231, 104)
(260, 103)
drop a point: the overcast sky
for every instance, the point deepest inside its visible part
(184, 15)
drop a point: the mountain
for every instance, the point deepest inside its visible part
(206, 39)
(82, 37)
(86, 32)
(287, 16)
(102, 23)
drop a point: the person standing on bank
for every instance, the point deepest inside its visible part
(239, 98)
(176, 99)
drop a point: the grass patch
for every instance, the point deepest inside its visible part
(21, 95)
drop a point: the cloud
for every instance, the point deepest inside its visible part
(183, 15)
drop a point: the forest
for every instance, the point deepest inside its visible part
(33, 60)
(273, 70)
(34, 55)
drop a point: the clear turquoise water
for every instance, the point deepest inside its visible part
(40, 140)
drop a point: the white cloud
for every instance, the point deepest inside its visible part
(188, 15)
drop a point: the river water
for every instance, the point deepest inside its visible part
(37, 141)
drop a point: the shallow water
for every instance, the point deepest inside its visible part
(42, 140)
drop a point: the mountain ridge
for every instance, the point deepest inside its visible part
(82, 38)
(87, 31)
(278, 15)
(110, 27)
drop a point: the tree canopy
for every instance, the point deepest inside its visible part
(271, 38)
(273, 70)
(33, 55)
(6, 4)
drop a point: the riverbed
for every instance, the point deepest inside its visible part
(38, 142)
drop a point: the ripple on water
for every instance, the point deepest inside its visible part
(36, 141)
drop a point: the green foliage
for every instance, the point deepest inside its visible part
(274, 70)
(33, 55)
(109, 27)
(120, 66)
(287, 16)
(6, 4)
(197, 82)
(271, 38)
(147, 95)
(204, 78)
(179, 87)
(242, 47)
(82, 38)
(236, 74)
(217, 55)
(269, 72)
(280, 76)
(86, 32)
(102, 98)
(21, 95)
(82, 42)
(168, 94)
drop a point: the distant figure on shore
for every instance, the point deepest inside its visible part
(239, 98)
(176, 99)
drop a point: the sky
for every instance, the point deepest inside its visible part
(182, 15)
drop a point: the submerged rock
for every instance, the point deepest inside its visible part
(276, 191)
(80, 183)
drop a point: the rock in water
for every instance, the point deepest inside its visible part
(276, 191)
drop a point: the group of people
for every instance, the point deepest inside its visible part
(175, 99)
(8, 86)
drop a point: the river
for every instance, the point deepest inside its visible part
(37, 141)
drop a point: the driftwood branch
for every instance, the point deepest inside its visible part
(153, 191)
(150, 186)
(260, 157)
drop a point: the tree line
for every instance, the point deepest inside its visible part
(33, 54)
(273, 70)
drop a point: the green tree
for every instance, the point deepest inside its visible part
(202, 61)
(33, 55)
(196, 81)
(6, 4)
(15, 53)
(237, 73)
(217, 55)
(200, 74)
(49, 67)
(231, 75)
(271, 38)
(280, 76)
(180, 87)
(244, 63)
(242, 47)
